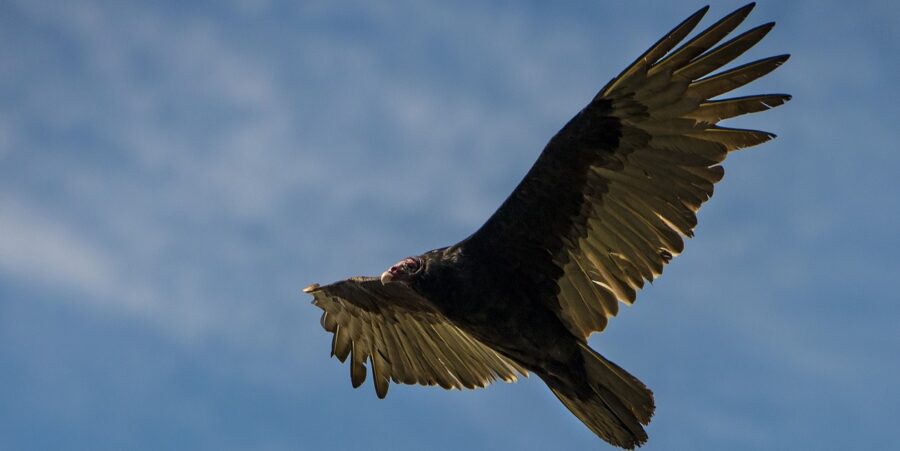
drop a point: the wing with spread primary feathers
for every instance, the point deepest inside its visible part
(404, 338)
(608, 201)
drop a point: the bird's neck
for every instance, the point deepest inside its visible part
(443, 282)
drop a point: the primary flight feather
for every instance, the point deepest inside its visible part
(603, 210)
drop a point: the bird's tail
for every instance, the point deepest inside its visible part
(615, 407)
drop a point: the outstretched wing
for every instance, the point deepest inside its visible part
(605, 206)
(404, 337)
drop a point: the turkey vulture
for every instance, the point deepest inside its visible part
(602, 210)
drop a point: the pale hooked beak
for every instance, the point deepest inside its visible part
(386, 277)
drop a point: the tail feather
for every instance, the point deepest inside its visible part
(621, 383)
(615, 407)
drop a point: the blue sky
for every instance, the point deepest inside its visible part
(172, 174)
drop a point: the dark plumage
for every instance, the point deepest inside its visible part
(602, 210)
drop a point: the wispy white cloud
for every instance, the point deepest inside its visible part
(43, 251)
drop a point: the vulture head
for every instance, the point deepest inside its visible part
(403, 271)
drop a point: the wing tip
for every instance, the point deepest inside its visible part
(765, 28)
(694, 19)
(776, 61)
(743, 11)
(312, 288)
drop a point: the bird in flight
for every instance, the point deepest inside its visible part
(601, 212)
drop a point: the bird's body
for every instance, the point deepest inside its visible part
(603, 209)
(515, 323)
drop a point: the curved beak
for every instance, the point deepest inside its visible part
(386, 277)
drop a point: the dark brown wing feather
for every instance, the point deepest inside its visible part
(605, 206)
(404, 338)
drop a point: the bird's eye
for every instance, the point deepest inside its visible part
(412, 264)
